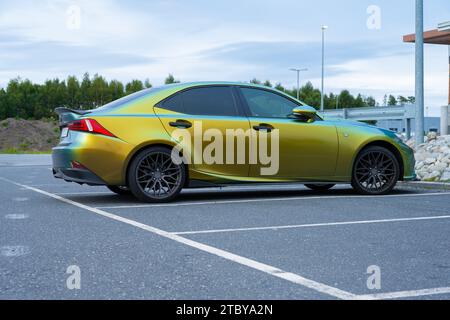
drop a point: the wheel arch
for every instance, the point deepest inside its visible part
(387, 145)
(144, 146)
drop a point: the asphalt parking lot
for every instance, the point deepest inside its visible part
(267, 242)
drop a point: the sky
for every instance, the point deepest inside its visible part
(225, 40)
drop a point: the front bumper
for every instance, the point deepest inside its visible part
(409, 163)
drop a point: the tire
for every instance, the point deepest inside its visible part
(153, 177)
(319, 187)
(375, 172)
(120, 190)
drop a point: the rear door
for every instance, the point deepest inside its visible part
(208, 114)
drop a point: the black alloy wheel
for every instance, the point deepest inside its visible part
(154, 177)
(375, 172)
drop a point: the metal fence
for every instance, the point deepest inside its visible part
(403, 112)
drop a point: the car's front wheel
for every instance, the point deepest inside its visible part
(375, 172)
(154, 177)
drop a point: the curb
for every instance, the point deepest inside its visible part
(426, 185)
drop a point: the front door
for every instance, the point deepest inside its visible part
(308, 149)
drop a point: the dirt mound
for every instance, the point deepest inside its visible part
(18, 135)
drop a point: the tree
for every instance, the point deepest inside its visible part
(134, 86)
(370, 102)
(346, 100)
(147, 83)
(73, 92)
(85, 92)
(308, 94)
(170, 79)
(267, 84)
(359, 102)
(116, 90)
(99, 91)
(3, 104)
(279, 87)
(24, 99)
(402, 100)
(392, 101)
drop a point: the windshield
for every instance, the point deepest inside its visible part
(131, 97)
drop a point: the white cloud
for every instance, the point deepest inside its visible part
(173, 36)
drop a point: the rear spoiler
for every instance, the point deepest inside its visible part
(67, 115)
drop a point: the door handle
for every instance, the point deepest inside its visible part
(263, 127)
(183, 124)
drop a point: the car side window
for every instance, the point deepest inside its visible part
(211, 101)
(174, 103)
(265, 104)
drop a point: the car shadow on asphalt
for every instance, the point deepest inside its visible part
(223, 194)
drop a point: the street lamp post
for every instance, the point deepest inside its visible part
(298, 79)
(419, 130)
(323, 67)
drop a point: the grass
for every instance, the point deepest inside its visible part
(20, 151)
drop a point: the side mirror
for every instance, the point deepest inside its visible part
(304, 111)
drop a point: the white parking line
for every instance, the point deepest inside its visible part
(404, 294)
(276, 272)
(200, 203)
(314, 225)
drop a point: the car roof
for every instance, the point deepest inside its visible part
(213, 83)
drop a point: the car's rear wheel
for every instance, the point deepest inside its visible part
(375, 172)
(154, 177)
(121, 190)
(319, 187)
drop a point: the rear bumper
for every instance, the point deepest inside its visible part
(101, 159)
(78, 176)
(62, 168)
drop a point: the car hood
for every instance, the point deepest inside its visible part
(343, 122)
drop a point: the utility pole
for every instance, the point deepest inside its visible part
(419, 130)
(323, 67)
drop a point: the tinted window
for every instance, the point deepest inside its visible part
(266, 104)
(174, 103)
(129, 98)
(214, 101)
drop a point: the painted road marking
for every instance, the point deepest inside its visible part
(342, 223)
(200, 203)
(16, 216)
(404, 294)
(20, 199)
(276, 272)
(14, 251)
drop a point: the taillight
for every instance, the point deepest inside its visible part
(89, 125)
